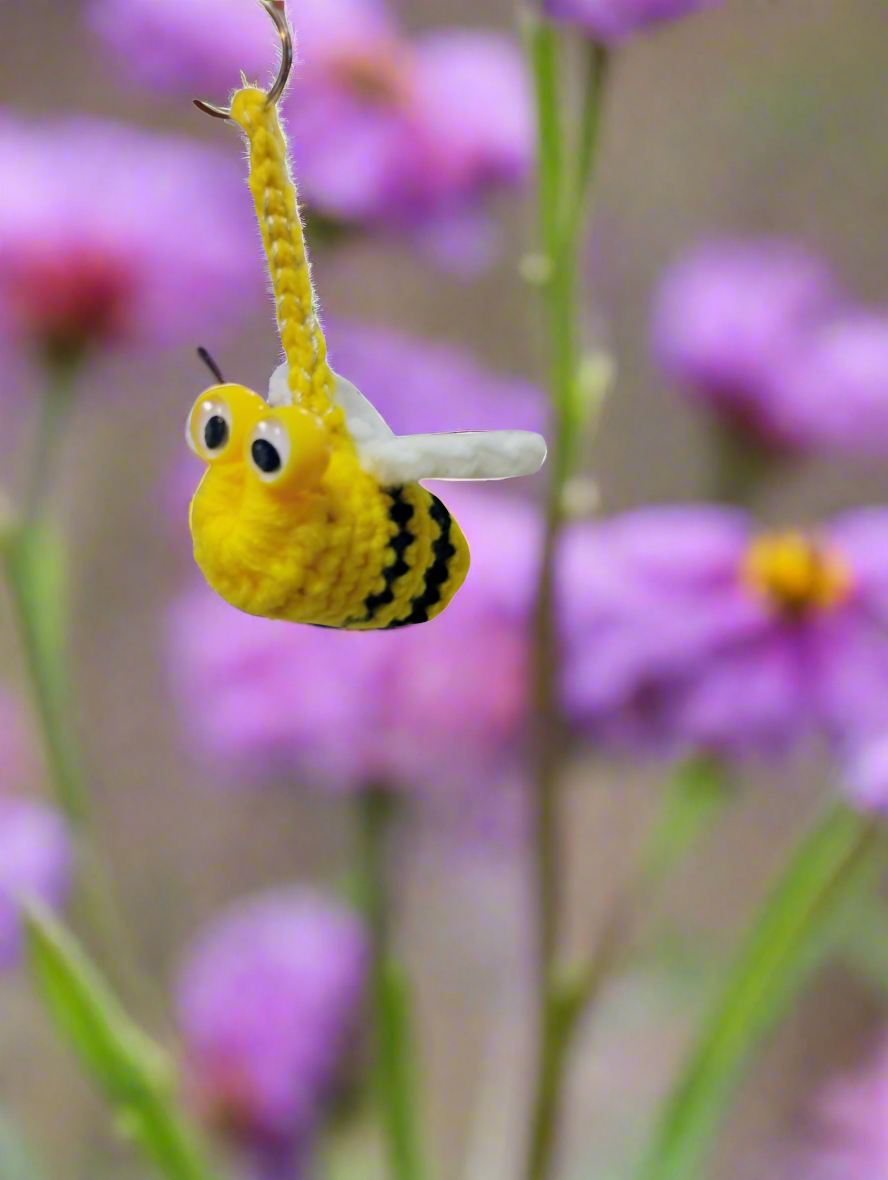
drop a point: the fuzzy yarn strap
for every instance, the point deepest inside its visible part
(274, 194)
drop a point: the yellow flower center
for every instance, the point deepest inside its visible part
(796, 573)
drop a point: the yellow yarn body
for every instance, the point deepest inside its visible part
(339, 550)
(348, 554)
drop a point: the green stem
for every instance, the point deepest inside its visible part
(170, 1142)
(542, 43)
(697, 794)
(695, 799)
(35, 575)
(561, 215)
(396, 1081)
(33, 572)
(559, 1016)
(132, 1071)
(55, 410)
(793, 929)
(34, 565)
(596, 69)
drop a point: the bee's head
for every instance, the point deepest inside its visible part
(263, 467)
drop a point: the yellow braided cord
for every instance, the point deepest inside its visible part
(277, 209)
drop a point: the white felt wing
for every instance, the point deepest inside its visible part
(482, 454)
(278, 390)
(363, 421)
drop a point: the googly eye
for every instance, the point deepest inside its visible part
(209, 428)
(268, 448)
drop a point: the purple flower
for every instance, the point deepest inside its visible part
(700, 632)
(850, 1132)
(866, 772)
(111, 236)
(612, 21)
(731, 320)
(269, 1002)
(186, 48)
(35, 861)
(837, 384)
(441, 705)
(35, 848)
(384, 129)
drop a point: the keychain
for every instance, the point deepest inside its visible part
(311, 509)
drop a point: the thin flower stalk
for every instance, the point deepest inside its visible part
(832, 866)
(563, 198)
(34, 575)
(697, 795)
(394, 1061)
(34, 567)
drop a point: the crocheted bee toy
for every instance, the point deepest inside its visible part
(311, 508)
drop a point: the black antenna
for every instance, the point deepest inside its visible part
(211, 364)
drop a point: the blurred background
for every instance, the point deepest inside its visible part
(761, 118)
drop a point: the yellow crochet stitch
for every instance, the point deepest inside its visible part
(274, 196)
(310, 509)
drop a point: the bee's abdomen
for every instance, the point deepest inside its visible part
(437, 573)
(427, 560)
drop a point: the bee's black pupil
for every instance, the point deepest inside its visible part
(265, 456)
(215, 433)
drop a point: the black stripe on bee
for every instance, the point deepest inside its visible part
(400, 513)
(438, 571)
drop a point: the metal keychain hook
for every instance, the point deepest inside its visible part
(275, 9)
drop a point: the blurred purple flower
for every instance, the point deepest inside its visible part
(866, 773)
(612, 21)
(35, 849)
(438, 706)
(269, 1003)
(384, 129)
(698, 632)
(111, 236)
(35, 861)
(850, 1130)
(418, 385)
(729, 322)
(837, 384)
(188, 48)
